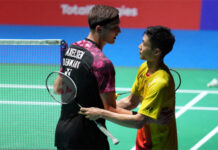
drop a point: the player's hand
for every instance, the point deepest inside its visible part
(91, 113)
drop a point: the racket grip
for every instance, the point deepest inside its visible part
(107, 133)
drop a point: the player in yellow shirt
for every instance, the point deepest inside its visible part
(154, 88)
(158, 93)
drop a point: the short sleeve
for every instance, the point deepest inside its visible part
(105, 75)
(152, 103)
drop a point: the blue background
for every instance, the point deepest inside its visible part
(192, 49)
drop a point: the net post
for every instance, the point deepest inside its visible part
(63, 46)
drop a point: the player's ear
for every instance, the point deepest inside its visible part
(158, 51)
(98, 28)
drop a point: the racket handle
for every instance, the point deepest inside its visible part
(107, 133)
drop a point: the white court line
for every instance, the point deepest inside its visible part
(190, 104)
(205, 139)
(22, 86)
(118, 88)
(200, 108)
(56, 104)
(29, 103)
(178, 114)
(123, 89)
(197, 91)
(178, 91)
(133, 148)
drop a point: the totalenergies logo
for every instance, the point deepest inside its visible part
(84, 10)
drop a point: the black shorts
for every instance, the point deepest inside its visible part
(79, 133)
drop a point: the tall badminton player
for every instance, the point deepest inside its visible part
(94, 76)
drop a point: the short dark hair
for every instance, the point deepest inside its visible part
(160, 37)
(102, 15)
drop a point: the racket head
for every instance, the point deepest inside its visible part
(61, 87)
(177, 78)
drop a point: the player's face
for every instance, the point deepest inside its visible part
(145, 50)
(110, 32)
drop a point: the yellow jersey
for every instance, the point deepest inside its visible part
(158, 93)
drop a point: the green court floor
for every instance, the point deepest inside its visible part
(28, 115)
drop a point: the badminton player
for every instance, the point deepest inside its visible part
(94, 75)
(154, 88)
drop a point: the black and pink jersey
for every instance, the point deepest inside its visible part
(93, 74)
(102, 67)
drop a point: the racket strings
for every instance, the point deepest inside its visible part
(61, 87)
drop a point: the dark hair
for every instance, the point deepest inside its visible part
(161, 37)
(102, 15)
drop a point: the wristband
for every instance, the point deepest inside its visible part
(134, 112)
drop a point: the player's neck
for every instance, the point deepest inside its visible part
(154, 66)
(96, 39)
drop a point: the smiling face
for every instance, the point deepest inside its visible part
(145, 49)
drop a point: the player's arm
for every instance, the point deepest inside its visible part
(106, 78)
(131, 121)
(57, 85)
(129, 102)
(109, 102)
(126, 118)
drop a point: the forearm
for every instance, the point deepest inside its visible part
(57, 85)
(119, 110)
(109, 103)
(123, 103)
(129, 102)
(130, 121)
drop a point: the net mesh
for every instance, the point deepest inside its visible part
(28, 116)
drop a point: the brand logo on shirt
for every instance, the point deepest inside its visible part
(149, 109)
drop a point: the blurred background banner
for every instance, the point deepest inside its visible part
(176, 14)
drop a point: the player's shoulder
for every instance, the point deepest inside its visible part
(103, 64)
(162, 77)
(163, 74)
(143, 67)
(83, 43)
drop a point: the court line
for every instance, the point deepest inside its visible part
(29, 103)
(205, 139)
(198, 91)
(118, 88)
(22, 86)
(200, 108)
(178, 114)
(178, 91)
(57, 104)
(190, 104)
